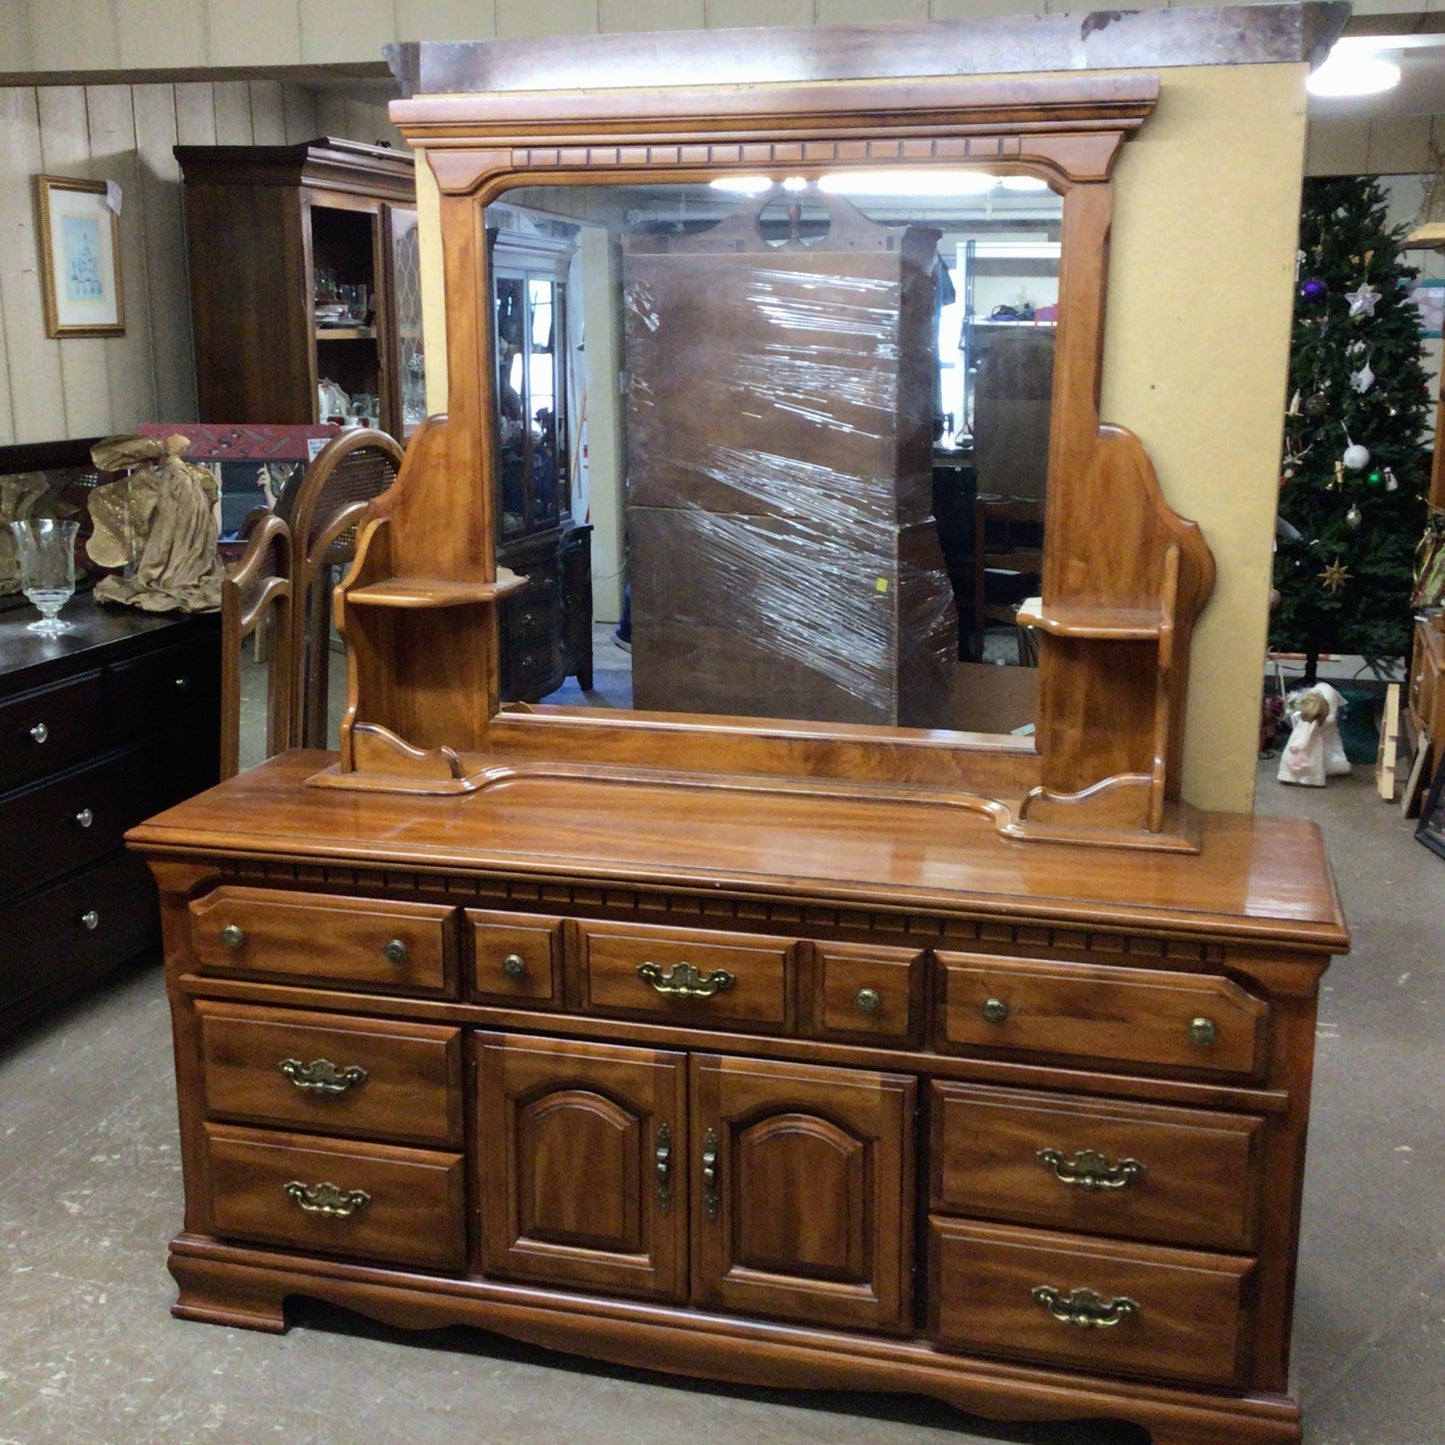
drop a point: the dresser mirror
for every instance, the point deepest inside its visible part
(708, 272)
(828, 381)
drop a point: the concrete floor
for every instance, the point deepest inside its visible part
(90, 1193)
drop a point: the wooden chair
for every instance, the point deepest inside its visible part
(323, 511)
(1008, 561)
(256, 598)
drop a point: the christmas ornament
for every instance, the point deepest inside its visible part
(1357, 348)
(1362, 302)
(1316, 404)
(1356, 456)
(1313, 289)
(1374, 477)
(1391, 482)
(1363, 379)
(1339, 480)
(1293, 409)
(1353, 517)
(1335, 576)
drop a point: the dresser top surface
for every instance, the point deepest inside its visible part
(1265, 878)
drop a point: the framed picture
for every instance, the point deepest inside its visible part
(1431, 828)
(79, 258)
(1429, 296)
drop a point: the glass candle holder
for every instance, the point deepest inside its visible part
(46, 549)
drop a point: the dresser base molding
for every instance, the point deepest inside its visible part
(248, 1289)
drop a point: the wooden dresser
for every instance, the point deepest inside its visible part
(98, 729)
(751, 1087)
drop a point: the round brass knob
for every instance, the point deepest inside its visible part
(232, 937)
(395, 951)
(866, 1001)
(514, 966)
(40, 732)
(85, 817)
(1203, 1031)
(995, 1010)
(90, 918)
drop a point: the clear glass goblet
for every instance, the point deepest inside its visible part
(46, 550)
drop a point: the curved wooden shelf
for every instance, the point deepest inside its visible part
(434, 591)
(1100, 624)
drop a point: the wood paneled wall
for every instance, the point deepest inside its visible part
(51, 389)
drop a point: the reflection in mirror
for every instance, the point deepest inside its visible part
(833, 420)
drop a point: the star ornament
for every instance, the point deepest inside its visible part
(1362, 302)
(1335, 576)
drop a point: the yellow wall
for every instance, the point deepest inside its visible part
(1196, 354)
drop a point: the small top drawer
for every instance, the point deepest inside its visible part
(155, 690)
(1097, 1166)
(51, 728)
(1121, 1016)
(692, 976)
(516, 957)
(331, 1074)
(864, 992)
(316, 938)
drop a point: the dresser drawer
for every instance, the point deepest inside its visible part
(1122, 1016)
(330, 1074)
(864, 992)
(317, 938)
(52, 728)
(1176, 1314)
(161, 689)
(371, 1201)
(516, 958)
(692, 976)
(1141, 1171)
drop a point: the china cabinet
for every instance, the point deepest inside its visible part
(786, 1052)
(304, 269)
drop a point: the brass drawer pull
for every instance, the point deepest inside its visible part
(395, 951)
(995, 1010)
(327, 1199)
(90, 918)
(233, 937)
(1084, 1307)
(710, 1202)
(321, 1076)
(664, 1168)
(40, 732)
(683, 979)
(867, 1001)
(514, 966)
(85, 817)
(1090, 1170)
(1203, 1031)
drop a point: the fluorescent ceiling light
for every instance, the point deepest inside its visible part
(748, 185)
(1350, 70)
(907, 182)
(1023, 183)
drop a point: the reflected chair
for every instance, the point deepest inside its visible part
(1008, 563)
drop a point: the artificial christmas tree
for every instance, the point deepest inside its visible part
(1353, 475)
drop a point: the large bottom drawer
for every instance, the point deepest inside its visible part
(65, 937)
(1110, 1307)
(370, 1201)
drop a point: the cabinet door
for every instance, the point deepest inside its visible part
(803, 1193)
(581, 1162)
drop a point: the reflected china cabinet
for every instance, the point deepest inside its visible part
(546, 630)
(274, 235)
(792, 1054)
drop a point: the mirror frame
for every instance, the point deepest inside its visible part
(1124, 576)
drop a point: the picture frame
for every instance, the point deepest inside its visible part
(79, 238)
(1431, 828)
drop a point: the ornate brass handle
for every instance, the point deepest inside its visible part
(85, 817)
(321, 1076)
(1084, 1307)
(514, 966)
(395, 951)
(1089, 1169)
(664, 1168)
(327, 1199)
(683, 979)
(233, 937)
(867, 1001)
(1203, 1031)
(710, 1202)
(995, 1010)
(90, 918)
(40, 732)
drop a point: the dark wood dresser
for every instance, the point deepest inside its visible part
(98, 729)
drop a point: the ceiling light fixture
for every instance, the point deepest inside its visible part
(1349, 70)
